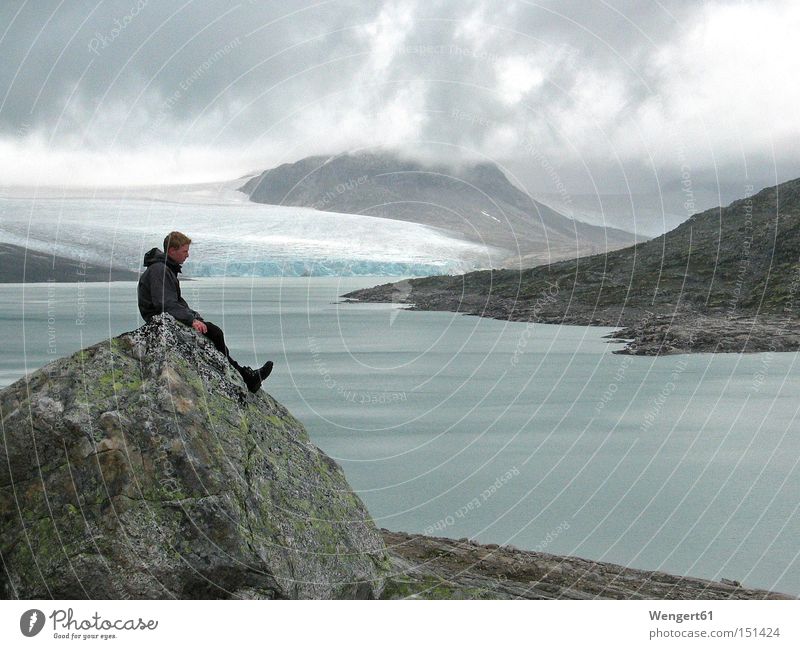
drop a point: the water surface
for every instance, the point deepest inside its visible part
(533, 435)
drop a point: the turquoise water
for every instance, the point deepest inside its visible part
(533, 435)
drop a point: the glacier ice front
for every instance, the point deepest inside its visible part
(238, 239)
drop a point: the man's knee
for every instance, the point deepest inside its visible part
(212, 328)
(215, 335)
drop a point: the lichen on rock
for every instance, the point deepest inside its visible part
(141, 467)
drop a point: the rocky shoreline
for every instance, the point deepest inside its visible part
(428, 567)
(679, 331)
(725, 280)
(699, 333)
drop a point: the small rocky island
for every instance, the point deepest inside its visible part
(726, 280)
(141, 467)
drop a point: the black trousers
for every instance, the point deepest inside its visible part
(215, 335)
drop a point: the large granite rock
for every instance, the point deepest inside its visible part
(142, 468)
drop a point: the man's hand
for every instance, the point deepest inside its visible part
(200, 326)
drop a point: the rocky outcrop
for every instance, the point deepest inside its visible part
(141, 467)
(684, 333)
(435, 568)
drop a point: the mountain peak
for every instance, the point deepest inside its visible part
(473, 201)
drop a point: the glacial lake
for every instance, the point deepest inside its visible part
(532, 435)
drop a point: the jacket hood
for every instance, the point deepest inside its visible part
(153, 256)
(156, 255)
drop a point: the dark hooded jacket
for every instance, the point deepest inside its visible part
(160, 290)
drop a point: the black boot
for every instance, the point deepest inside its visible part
(265, 370)
(255, 377)
(250, 377)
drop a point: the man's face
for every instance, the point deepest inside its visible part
(179, 255)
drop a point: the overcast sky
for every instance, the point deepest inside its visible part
(590, 93)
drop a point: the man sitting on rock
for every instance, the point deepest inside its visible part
(159, 291)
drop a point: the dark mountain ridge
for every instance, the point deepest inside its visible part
(731, 264)
(474, 201)
(19, 264)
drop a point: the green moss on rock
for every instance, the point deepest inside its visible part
(186, 485)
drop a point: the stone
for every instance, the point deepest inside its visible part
(149, 471)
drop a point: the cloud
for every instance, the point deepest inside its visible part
(622, 85)
(727, 79)
(36, 163)
(386, 34)
(516, 78)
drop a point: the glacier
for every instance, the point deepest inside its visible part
(233, 237)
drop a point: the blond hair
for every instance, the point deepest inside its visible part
(175, 240)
